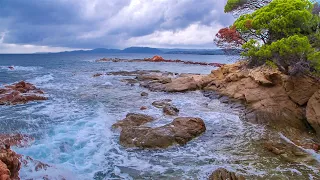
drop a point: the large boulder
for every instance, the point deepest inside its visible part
(133, 119)
(313, 111)
(223, 174)
(180, 131)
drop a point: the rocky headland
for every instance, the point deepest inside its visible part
(289, 106)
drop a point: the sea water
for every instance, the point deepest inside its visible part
(73, 133)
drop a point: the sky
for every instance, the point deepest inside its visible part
(28, 26)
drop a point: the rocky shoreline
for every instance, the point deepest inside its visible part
(288, 106)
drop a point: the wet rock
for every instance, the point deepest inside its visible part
(130, 81)
(223, 174)
(11, 160)
(313, 111)
(170, 110)
(4, 171)
(35, 165)
(161, 103)
(143, 108)
(154, 78)
(133, 119)
(144, 94)
(180, 131)
(97, 74)
(20, 93)
(19, 140)
(110, 60)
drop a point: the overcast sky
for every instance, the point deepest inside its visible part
(57, 25)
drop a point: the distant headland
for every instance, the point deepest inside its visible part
(149, 50)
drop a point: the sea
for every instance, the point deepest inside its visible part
(73, 134)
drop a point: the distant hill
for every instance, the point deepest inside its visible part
(142, 50)
(148, 50)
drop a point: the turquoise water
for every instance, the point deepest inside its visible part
(73, 132)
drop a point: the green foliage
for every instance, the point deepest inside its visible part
(233, 4)
(291, 55)
(284, 33)
(279, 19)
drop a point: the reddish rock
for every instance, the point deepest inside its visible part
(4, 171)
(11, 160)
(157, 58)
(143, 108)
(20, 93)
(18, 140)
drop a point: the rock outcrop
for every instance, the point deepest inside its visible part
(269, 97)
(180, 131)
(133, 119)
(20, 93)
(4, 171)
(223, 174)
(313, 111)
(9, 160)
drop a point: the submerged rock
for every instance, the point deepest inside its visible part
(20, 93)
(170, 110)
(133, 119)
(143, 108)
(144, 94)
(313, 111)
(97, 75)
(180, 131)
(223, 174)
(161, 103)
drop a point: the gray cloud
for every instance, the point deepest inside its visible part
(107, 23)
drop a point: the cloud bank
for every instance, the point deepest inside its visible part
(49, 25)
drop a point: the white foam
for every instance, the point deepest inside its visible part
(21, 68)
(42, 79)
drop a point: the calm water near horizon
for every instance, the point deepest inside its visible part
(73, 134)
